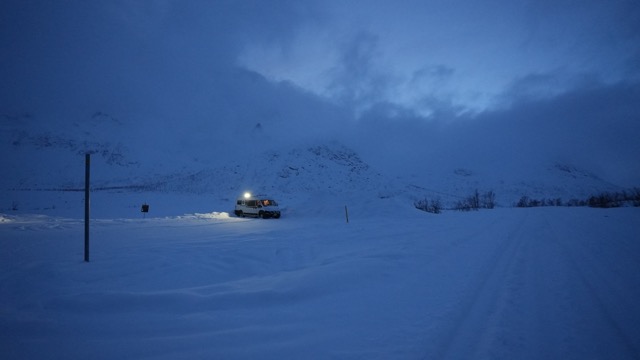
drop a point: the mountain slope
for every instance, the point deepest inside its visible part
(42, 157)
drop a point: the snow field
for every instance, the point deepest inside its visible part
(499, 284)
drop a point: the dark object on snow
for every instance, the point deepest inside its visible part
(145, 208)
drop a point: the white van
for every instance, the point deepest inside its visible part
(259, 205)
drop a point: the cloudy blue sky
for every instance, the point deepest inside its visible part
(465, 56)
(469, 55)
(324, 66)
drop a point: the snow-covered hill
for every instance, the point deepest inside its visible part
(45, 157)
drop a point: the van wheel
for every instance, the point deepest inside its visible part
(261, 214)
(239, 213)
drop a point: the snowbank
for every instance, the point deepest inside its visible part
(501, 284)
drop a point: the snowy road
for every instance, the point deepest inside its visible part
(554, 283)
(546, 288)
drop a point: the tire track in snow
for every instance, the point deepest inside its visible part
(541, 291)
(604, 308)
(542, 305)
(473, 326)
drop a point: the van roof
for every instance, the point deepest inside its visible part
(256, 197)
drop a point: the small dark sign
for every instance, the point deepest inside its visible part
(145, 208)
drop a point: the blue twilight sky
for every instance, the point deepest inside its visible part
(317, 66)
(465, 56)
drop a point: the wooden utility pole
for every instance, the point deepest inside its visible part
(87, 177)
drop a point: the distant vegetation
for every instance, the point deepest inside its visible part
(474, 201)
(602, 200)
(431, 206)
(477, 201)
(487, 200)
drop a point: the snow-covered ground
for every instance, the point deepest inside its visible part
(536, 283)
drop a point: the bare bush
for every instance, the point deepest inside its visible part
(477, 201)
(434, 206)
(602, 200)
(489, 200)
(469, 203)
(523, 202)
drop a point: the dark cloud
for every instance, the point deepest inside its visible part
(355, 78)
(430, 83)
(540, 86)
(145, 56)
(436, 74)
(594, 129)
(597, 36)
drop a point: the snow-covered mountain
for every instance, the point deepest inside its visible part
(43, 158)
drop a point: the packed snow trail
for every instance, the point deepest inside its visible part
(500, 284)
(539, 293)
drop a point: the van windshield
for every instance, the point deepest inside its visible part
(268, 203)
